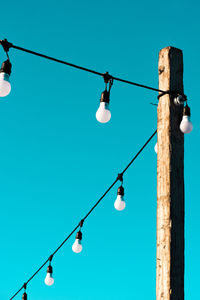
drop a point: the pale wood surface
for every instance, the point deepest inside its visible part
(170, 181)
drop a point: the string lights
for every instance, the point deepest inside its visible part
(49, 280)
(78, 246)
(185, 125)
(103, 115)
(119, 203)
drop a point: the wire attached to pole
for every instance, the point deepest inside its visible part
(7, 45)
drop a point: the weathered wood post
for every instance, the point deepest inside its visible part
(170, 181)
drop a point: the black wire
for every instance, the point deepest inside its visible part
(139, 152)
(143, 86)
(100, 74)
(7, 55)
(57, 60)
(6, 45)
(100, 199)
(88, 70)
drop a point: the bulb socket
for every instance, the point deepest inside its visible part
(79, 235)
(6, 67)
(186, 111)
(50, 269)
(107, 77)
(24, 296)
(105, 96)
(120, 191)
(6, 45)
(120, 177)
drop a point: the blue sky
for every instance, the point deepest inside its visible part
(57, 160)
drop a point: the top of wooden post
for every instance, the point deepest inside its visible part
(171, 65)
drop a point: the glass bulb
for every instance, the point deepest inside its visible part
(103, 113)
(5, 86)
(186, 126)
(119, 203)
(156, 148)
(49, 279)
(77, 247)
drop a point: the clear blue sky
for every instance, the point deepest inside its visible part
(56, 159)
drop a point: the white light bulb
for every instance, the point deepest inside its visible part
(77, 247)
(5, 86)
(103, 113)
(156, 148)
(49, 279)
(186, 126)
(119, 203)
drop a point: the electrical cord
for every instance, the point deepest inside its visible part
(7, 45)
(120, 178)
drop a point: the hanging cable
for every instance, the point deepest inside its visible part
(186, 127)
(7, 45)
(119, 178)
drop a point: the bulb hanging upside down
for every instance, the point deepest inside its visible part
(119, 202)
(77, 247)
(5, 71)
(103, 113)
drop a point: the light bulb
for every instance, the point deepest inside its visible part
(119, 202)
(49, 277)
(103, 113)
(186, 125)
(156, 148)
(5, 86)
(77, 247)
(5, 72)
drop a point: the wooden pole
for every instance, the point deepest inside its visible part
(170, 181)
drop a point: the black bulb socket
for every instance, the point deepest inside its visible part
(79, 235)
(120, 191)
(105, 96)
(6, 67)
(50, 269)
(107, 77)
(186, 111)
(24, 296)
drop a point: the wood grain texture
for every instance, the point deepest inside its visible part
(170, 181)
